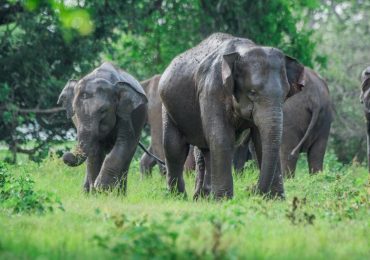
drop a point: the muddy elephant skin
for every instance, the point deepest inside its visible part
(214, 92)
(147, 162)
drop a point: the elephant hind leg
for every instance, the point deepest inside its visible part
(176, 151)
(315, 156)
(147, 163)
(289, 165)
(203, 173)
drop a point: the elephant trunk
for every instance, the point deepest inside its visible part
(269, 120)
(74, 160)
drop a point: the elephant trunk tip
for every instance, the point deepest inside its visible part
(72, 160)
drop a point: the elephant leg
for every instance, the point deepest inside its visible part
(93, 166)
(200, 172)
(175, 150)
(241, 156)
(203, 173)
(288, 164)
(147, 163)
(315, 156)
(206, 189)
(221, 145)
(190, 160)
(116, 164)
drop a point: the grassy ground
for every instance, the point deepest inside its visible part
(324, 217)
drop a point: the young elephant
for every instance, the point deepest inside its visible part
(147, 162)
(365, 99)
(307, 121)
(215, 91)
(109, 108)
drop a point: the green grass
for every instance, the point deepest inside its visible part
(331, 219)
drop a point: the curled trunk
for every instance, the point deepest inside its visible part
(73, 160)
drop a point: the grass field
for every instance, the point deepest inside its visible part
(326, 216)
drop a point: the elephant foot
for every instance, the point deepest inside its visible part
(86, 187)
(223, 194)
(201, 193)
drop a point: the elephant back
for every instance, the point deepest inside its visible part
(115, 75)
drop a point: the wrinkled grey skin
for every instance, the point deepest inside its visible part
(365, 100)
(147, 162)
(214, 92)
(307, 121)
(109, 110)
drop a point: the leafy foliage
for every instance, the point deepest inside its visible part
(43, 43)
(342, 31)
(18, 195)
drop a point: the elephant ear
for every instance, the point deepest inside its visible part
(66, 97)
(365, 86)
(295, 74)
(227, 70)
(129, 99)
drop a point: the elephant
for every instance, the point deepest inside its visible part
(147, 162)
(109, 109)
(215, 91)
(307, 121)
(365, 100)
(306, 127)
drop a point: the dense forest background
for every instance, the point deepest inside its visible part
(43, 43)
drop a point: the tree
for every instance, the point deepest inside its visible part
(347, 56)
(42, 45)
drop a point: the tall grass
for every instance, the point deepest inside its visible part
(326, 216)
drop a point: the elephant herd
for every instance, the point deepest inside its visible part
(225, 101)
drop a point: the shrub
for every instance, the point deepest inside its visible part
(18, 195)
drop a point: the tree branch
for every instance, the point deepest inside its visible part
(40, 111)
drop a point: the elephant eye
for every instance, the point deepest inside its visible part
(85, 95)
(252, 92)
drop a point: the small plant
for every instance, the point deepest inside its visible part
(18, 195)
(297, 215)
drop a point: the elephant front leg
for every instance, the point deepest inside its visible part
(221, 176)
(93, 166)
(116, 164)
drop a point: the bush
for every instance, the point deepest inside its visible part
(18, 195)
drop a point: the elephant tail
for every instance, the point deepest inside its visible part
(313, 121)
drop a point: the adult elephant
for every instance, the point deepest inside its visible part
(306, 127)
(109, 110)
(307, 121)
(365, 100)
(147, 162)
(215, 91)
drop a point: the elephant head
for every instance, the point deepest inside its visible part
(365, 89)
(260, 79)
(101, 98)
